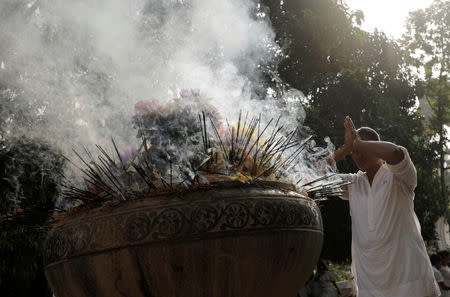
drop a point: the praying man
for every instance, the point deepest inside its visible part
(389, 258)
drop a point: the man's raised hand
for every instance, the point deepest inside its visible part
(350, 136)
(350, 132)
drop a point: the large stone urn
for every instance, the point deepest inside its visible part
(232, 240)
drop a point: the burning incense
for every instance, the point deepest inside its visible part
(181, 149)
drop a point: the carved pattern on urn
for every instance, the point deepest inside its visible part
(137, 227)
(204, 218)
(184, 220)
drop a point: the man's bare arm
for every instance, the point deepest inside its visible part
(387, 151)
(340, 153)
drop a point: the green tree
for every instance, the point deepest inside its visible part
(29, 173)
(29, 170)
(428, 41)
(344, 70)
(318, 37)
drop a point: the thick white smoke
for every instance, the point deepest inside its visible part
(81, 65)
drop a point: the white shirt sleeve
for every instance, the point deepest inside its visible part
(405, 171)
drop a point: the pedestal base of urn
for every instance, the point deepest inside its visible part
(230, 241)
(245, 266)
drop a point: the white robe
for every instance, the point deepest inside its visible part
(389, 257)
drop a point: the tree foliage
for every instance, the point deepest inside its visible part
(344, 70)
(427, 40)
(29, 170)
(29, 174)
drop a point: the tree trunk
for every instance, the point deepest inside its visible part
(442, 139)
(442, 153)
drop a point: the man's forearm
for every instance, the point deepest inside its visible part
(387, 151)
(340, 153)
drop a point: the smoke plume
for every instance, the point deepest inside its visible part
(76, 69)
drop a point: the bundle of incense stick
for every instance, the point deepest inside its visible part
(247, 151)
(323, 187)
